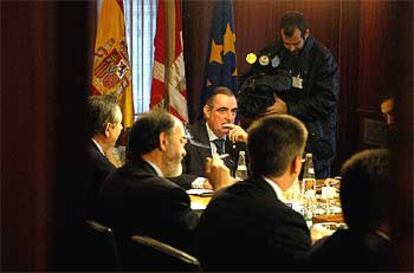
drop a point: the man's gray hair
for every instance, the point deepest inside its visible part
(102, 110)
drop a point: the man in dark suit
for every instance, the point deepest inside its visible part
(217, 133)
(365, 197)
(104, 118)
(137, 199)
(247, 227)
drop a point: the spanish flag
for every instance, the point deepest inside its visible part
(168, 90)
(111, 67)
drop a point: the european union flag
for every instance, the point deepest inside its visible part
(221, 67)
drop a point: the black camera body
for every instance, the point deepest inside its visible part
(260, 91)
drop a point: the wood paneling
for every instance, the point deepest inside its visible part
(45, 69)
(361, 35)
(28, 137)
(196, 28)
(402, 83)
(256, 24)
(348, 44)
(374, 52)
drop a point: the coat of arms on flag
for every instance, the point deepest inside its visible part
(112, 71)
(111, 67)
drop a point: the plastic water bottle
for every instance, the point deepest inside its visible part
(241, 171)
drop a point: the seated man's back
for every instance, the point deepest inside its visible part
(246, 227)
(138, 199)
(351, 251)
(365, 200)
(134, 200)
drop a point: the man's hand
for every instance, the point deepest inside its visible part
(217, 173)
(236, 133)
(207, 185)
(279, 107)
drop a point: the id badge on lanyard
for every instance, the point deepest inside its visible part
(297, 82)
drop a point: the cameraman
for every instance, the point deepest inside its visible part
(313, 91)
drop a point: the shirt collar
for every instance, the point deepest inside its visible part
(98, 146)
(155, 167)
(211, 135)
(277, 190)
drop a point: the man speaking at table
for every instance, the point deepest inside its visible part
(246, 227)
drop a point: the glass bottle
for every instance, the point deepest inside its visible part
(241, 171)
(309, 180)
(309, 189)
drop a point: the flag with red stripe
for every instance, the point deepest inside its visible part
(168, 89)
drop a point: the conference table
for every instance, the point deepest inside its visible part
(322, 224)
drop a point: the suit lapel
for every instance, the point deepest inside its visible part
(200, 135)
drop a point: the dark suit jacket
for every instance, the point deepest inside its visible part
(193, 163)
(134, 200)
(247, 228)
(347, 250)
(96, 168)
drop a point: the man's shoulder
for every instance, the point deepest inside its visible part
(253, 195)
(197, 126)
(92, 152)
(246, 192)
(95, 160)
(319, 49)
(134, 172)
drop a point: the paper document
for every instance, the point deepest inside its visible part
(203, 192)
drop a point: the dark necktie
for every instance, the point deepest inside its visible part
(219, 142)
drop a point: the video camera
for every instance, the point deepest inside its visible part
(260, 91)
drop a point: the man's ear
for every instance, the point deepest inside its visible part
(296, 165)
(206, 111)
(107, 133)
(163, 141)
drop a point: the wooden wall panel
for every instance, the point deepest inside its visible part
(257, 24)
(374, 52)
(255, 28)
(360, 34)
(402, 83)
(45, 70)
(28, 137)
(348, 43)
(196, 29)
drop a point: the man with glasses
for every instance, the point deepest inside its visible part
(138, 198)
